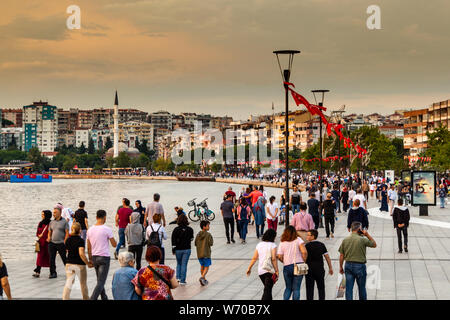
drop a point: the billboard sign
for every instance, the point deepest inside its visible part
(423, 188)
(389, 175)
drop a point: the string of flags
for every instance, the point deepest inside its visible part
(332, 128)
(327, 159)
(416, 159)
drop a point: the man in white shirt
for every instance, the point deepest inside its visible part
(152, 209)
(99, 237)
(392, 197)
(362, 199)
(351, 194)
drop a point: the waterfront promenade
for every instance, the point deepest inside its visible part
(174, 178)
(423, 273)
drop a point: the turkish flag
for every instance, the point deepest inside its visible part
(299, 99)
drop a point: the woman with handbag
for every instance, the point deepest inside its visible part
(155, 281)
(293, 254)
(267, 265)
(43, 257)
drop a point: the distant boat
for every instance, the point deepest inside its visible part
(30, 178)
(210, 179)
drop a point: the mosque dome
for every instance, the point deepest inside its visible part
(131, 152)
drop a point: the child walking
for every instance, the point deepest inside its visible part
(204, 242)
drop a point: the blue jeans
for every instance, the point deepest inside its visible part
(244, 227)
(355, 271)
(292, 282)
(121, 239)
(101, 265)
(182, 262)
(295, 208)
(338, 205)
(442, 202)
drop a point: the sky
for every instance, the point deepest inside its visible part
(216, 57)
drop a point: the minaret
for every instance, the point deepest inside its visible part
(116, 126)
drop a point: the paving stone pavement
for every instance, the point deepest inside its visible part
(423, 273)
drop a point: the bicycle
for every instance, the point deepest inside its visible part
(200, 211)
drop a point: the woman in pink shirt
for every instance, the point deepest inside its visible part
(291, 250)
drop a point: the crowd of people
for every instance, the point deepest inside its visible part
(81, 246)
(143, 231)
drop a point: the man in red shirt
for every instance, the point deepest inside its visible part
(122, 220)
(231, 193)
(254, 195)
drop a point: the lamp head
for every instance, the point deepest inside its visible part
(285, 59)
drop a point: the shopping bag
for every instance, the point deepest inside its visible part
(341, 288)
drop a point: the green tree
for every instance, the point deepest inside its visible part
(12, 145)
(123, 160)
(69, 163)
(91, 148)
(143, 160)
(108, 143)
(34, 155)
(216, 167)
(82, 149)
(6, 123)
(110, 161)
(438, 149)
(7, 155)
(137, 145)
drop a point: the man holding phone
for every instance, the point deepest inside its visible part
(353, 251)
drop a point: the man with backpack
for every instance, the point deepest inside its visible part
(296, 198)
(155, 234)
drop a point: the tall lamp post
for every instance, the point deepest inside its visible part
(286, 57)
(322, 91)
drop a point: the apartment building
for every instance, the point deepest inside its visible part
(418, 122)
(131, 131)
(13, 115)
(40, 123)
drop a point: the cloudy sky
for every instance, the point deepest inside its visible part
(215, 56)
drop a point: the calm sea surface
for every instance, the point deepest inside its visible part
(22, 204)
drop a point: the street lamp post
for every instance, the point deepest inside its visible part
(322, 91)
(287, 56)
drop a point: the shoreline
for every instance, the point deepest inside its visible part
(173, 178)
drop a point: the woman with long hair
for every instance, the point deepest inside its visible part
(182, 237)
(266, 250)
(141, 210)
(76, 263)
(291, 251)
(43, 257)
